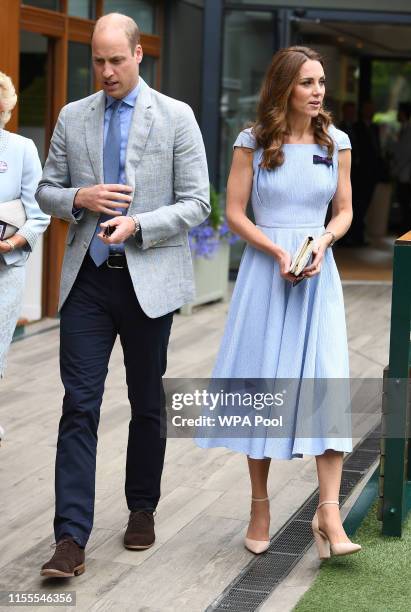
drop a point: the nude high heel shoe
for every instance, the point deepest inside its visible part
(257, 546)
(324, 546)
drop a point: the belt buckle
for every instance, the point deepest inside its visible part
(111, 256)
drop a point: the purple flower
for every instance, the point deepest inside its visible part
(205, 240)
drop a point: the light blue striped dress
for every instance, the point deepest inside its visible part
(274, 330)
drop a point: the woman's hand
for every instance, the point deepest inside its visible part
(320, 246)
(17, 241)
(284, 262)
(5, 247)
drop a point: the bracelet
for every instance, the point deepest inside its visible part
(333, 237)
(11, 244)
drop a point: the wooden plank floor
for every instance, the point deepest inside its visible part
(372, 263)
(204, 508)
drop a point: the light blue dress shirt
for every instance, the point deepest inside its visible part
(126, 112)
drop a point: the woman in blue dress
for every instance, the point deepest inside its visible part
(20, 172)
(292, 163)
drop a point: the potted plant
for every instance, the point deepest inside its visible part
(210, 248)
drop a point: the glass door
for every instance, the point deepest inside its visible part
(35, 123)
(34, 85)
(390, 85)
(249, 43)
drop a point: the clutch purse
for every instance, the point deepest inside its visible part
(12, 217)
(302, 256)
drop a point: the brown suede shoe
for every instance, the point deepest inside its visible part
(67, 561)
(140, 530)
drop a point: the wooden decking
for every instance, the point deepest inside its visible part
(373, 263)
(204, 508)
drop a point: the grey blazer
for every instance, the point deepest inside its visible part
(167, 168)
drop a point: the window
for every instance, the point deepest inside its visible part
(81, 8)
(80, 78)
(148, 70)
(52, 5)
(248, 49)
(33, 102)
(143, 12)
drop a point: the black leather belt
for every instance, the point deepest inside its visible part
(116, 261)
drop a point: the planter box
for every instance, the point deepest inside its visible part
(211, 278)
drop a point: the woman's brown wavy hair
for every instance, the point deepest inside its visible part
(271, 124)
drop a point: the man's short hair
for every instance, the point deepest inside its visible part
(129, 26)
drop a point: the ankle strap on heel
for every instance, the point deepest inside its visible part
(328, 502)
(259, 498)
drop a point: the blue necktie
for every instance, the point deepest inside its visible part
(111, 165)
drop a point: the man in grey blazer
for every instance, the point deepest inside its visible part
(130, 161)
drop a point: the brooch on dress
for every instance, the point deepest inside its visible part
(317, 159)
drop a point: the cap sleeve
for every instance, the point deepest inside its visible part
(245, 139)
(341, 138)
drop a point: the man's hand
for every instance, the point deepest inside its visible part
(125, 227)
(104, 198)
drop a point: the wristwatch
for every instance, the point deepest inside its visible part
(137, 224)
(137, 232)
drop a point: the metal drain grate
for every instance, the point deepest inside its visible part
(348, 481)
(306, 513)
(292, 537)
(261, 576)
(359, 461)
(241, 601)
(371, 444)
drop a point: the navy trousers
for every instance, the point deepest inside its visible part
(102, 304)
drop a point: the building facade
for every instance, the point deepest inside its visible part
(210, 53)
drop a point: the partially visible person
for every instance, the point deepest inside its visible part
(20, 172)
(349, 118)
(401, 165)
(367, 164)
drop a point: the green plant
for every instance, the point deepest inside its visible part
(216, 217)
(205, 238)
